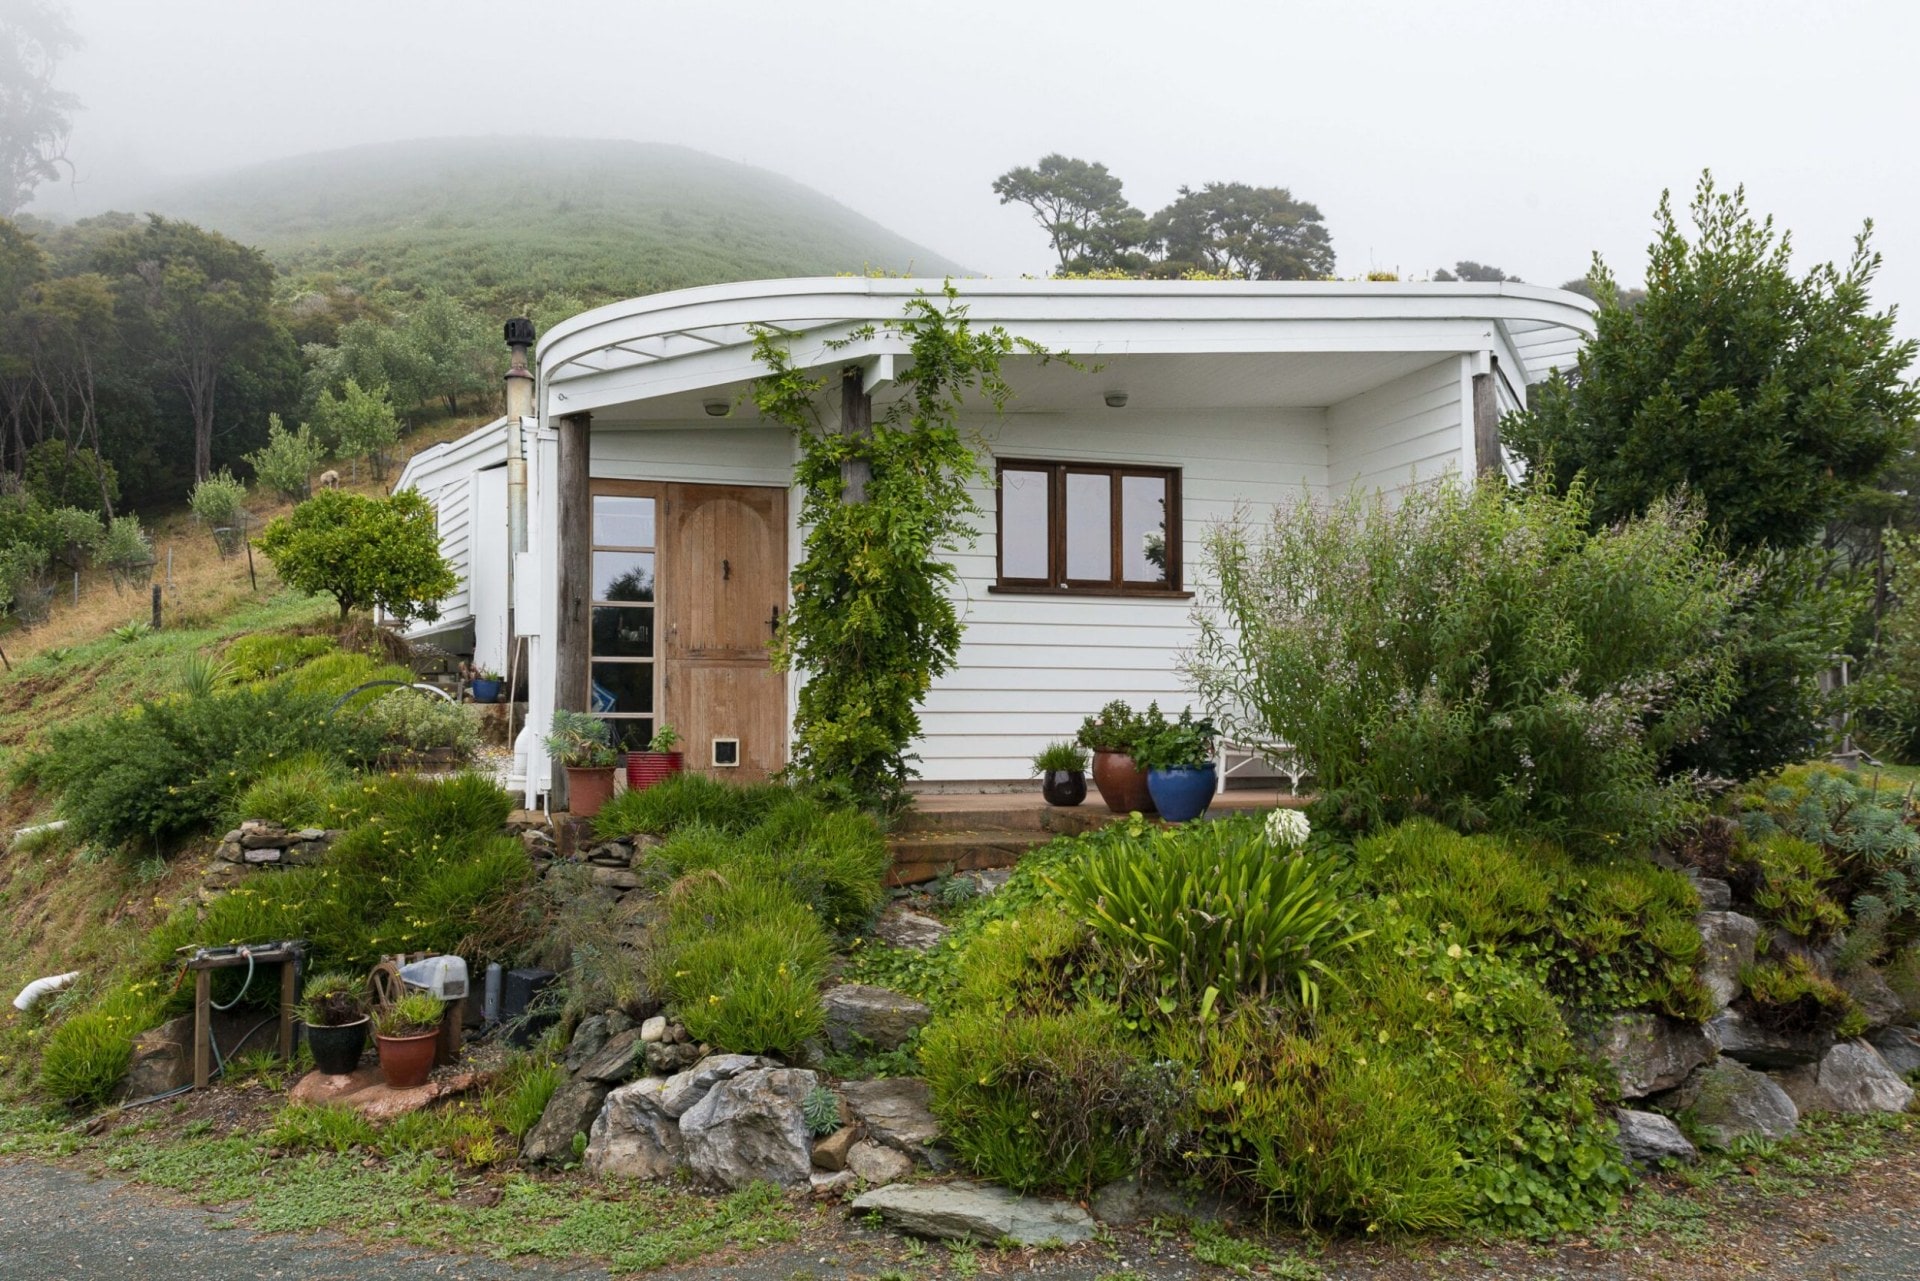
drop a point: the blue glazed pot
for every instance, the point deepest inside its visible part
(1182, 794)
(486, 691)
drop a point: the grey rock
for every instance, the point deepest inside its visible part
(1715, 894)
(572, 1110)
(230, 851)
(860, 1017)
(750, 1128)
(1728, 1099)
(1125, 1202)
(1770, 1049)
(1647, 1138)
(617, 1061)
(895, 1112)
(1728, 940)
(1899, 1047)
(588, 1040)
(618, 1022)
(312, 834)
(616, 878)
(1875, 997)
(665, 1058)
(653, 1029)
(1650, 1053)
(1852, 1077)
(989, 880)
(306, 853)
(831, 1182)
(255, 854)
(977, 1212)
(830, 1153)
(162, 1060)
(612, 854)
(633, 1138)
(910, 930)
(257, 835)
(684, 1089)
(875, 1165)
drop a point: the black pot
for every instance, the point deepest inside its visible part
(337, 1050)
(1064, 787)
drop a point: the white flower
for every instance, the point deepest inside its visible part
(1287, 829)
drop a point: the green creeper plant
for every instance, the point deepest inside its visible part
(364, 552)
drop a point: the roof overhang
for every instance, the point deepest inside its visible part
(673, 347)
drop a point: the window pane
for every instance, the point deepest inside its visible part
(623, 576)
(623, 631)
(1024, 511)
(622, 687)
(622, 522)
(1089, 526)
(1143, 528)
(631, 735)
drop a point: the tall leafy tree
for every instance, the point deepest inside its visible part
(1082, 209)
(1234, 229)
(451, 349)
(35, 117)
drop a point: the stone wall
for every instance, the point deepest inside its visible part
(258, 846)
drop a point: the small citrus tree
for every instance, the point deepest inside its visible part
(364, 552)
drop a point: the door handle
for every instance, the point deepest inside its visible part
(773, 621)
(726, 570)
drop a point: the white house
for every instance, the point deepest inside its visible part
(644, 557)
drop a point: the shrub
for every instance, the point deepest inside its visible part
(1868, 846)
(57, 475)
(23, 590)
(1790, 995)
(364, 552)
(219, 501)
(1473, 656)
(411, 720)
(336, 673)
(125, 548)
(74, 536)
(684, 799)
(1786, 879)
(261, 655)
(85, 1056)
(301, 791)
(834, 861)
(287, 460)
(742, 960)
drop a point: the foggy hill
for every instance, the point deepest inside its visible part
(510, 220)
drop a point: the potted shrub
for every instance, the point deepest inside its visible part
(1181, 775)
(1062, 768)
(658, 762)
(579, 741)
(408, 1035)
(1112, 736)
(485, 685)
(336, 1020)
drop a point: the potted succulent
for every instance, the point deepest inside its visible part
(1112, 735)
(659, 762)
(1062, 768)
(336, 1020)
(1181, 774)
(408, 1036)
(579, 741)
(485, 685)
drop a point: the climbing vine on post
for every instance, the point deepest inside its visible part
(873, 622)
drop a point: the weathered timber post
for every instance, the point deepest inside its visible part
(573, 630)
(1486, 424)
(856, 420)
(156, 607)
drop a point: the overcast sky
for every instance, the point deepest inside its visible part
(1520, 134)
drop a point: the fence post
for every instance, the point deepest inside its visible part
(156, 607)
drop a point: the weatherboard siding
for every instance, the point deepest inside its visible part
(1402, 432)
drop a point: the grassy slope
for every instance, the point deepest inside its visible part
(509, 221)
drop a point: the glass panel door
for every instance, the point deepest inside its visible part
(622, 667)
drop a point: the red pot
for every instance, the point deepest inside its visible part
(588, 788)
(1122, 784)
(644, 769)
(406, 1061)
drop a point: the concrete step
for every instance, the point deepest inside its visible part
(1015, 816)
(922, 856)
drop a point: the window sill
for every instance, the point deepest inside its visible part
(1130, 593)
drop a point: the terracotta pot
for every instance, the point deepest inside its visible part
(588, 788)
(1064, 787)
(644, 769)
(1122, 784)
(337, 1048)
(406, 1061)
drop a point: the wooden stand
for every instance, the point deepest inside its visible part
(286, 955)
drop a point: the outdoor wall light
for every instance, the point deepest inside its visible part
(1116, 400)
(717, 408)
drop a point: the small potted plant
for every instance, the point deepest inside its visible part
(408, 1035)
(1062, 768)
(659, 762)
(579, 741)
(336, 1020)
(1112, 736)
(1180, 768)
(485, 685)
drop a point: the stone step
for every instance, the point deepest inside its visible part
(922, 856)
(1015, 816)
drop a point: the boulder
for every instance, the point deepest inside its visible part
(830, 1153)
(572, 1110)
(977, 1212)
(1729, 1099)
(1128, 1201)
(1739, 1037)
(257, 834)
(751, 1128)
(910, 930)
(269, 854)
(633, 1138)
(1729, 940)
(617, 1061)
(654, 1029)
(162, 1060)
(684, 1089)
(616, 878)
(1875, 997)
(876, 1165)
(832, 1182)
(895, 1112)
(1852, 1077)
(861, 1017)
(1647, 1138)
(667, 1057)
(1650, 1053)
(588, 1040)
(1899, 1047)
(1715, 894)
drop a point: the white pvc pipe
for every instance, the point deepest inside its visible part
(58, 824)
(32, 992)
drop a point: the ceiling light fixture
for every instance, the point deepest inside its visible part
(1116, 400)
(717, 408)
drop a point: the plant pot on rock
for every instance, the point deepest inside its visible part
(658, 763)
(337, 1022)
(1180, 768)
(408, 1035)
(582, 745)
(1112, 736)
(485, 685)
(1062, 768)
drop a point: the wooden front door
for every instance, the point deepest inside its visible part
(723, 591)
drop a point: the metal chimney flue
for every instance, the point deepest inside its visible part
(519, 336)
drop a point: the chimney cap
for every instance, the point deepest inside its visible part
(519, 332)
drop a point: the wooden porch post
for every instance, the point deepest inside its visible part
(1486, 424)
(573, 631)
(856, 419)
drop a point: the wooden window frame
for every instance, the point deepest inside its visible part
(630, 489)
(1057, 583)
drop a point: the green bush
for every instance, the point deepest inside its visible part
(1868, 852)
(86, 1055)
(287, 460)
(219, 501)
(742, 960)
(1791, 995)
(523, 1092)
(410, 720)
(1476, 657)
(261, 655)
(335, 673)
(363, 552)
(684, 799)
(300, 791)
(1786, 878)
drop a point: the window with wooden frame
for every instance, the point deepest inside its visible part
(1097, 528)
(622, 664)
